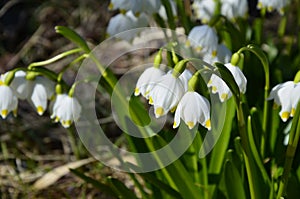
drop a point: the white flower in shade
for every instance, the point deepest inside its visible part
(223, 55)
(193, 108)
(287, 96)
(204, 10)
(220, 87)
(204, 39)
(36, 91)
(234, 8)
(272, 5)
(122, 4)
(150, 6)
(65, 109)
(166, 94)
(136, 6)
(147, 80)
(124, 22)
(8, 100)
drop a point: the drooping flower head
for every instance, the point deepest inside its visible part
(8, 99)
(37, 90)
(124, 22)
(234, 8)
(136, 6)
(193, 108)
(147, 80)
(204, 10)
(166, 94)
(220, 87)
(273, 5)
(65, 109)
(286, 95)
(223, 55)
(204, 39)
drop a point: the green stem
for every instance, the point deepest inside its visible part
(290, 154)
(54, 59)
(112, 81)
(183, 7)
(73, 142)
(264, 60)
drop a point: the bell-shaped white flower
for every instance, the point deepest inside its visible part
(42, 91)
(8, 100)
(204, 10)
(136, 6)
(272, 5)
(147, 80)
(124, 22)
(37, 91)
(65, 110)
(220, 87)
(204, 39)
(223, 55)
(122, 4)
(166, 94)
(234, 8)
(141, 6)
(287, 96)
(193, 108)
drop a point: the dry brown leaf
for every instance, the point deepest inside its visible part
(52, 176)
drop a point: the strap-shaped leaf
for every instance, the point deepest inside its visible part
(73, 36)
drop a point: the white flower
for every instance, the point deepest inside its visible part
(122, 4)
(8, 100)
(204, 9)
(124, 22)
(272, 5)
(223, 55)
(150, 6)
(166, 94)
(146, 81)
(220, 87)
(184, 77)
(42, 90)
(65, 109)
(193, 108)
(136, 6)
(36, 91)
(203, 38)
(234, 8)
(287, 96)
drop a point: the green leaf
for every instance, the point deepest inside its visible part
(152, 179)
(234, 184)
(97, 184)
(229, 79)
(120, 189)
(73, 36)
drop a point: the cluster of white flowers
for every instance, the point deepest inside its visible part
(169, 91)
(204, 40)
(37, 90)
(286, 95)
(271, 5)
(134, 14)
(205, 9)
